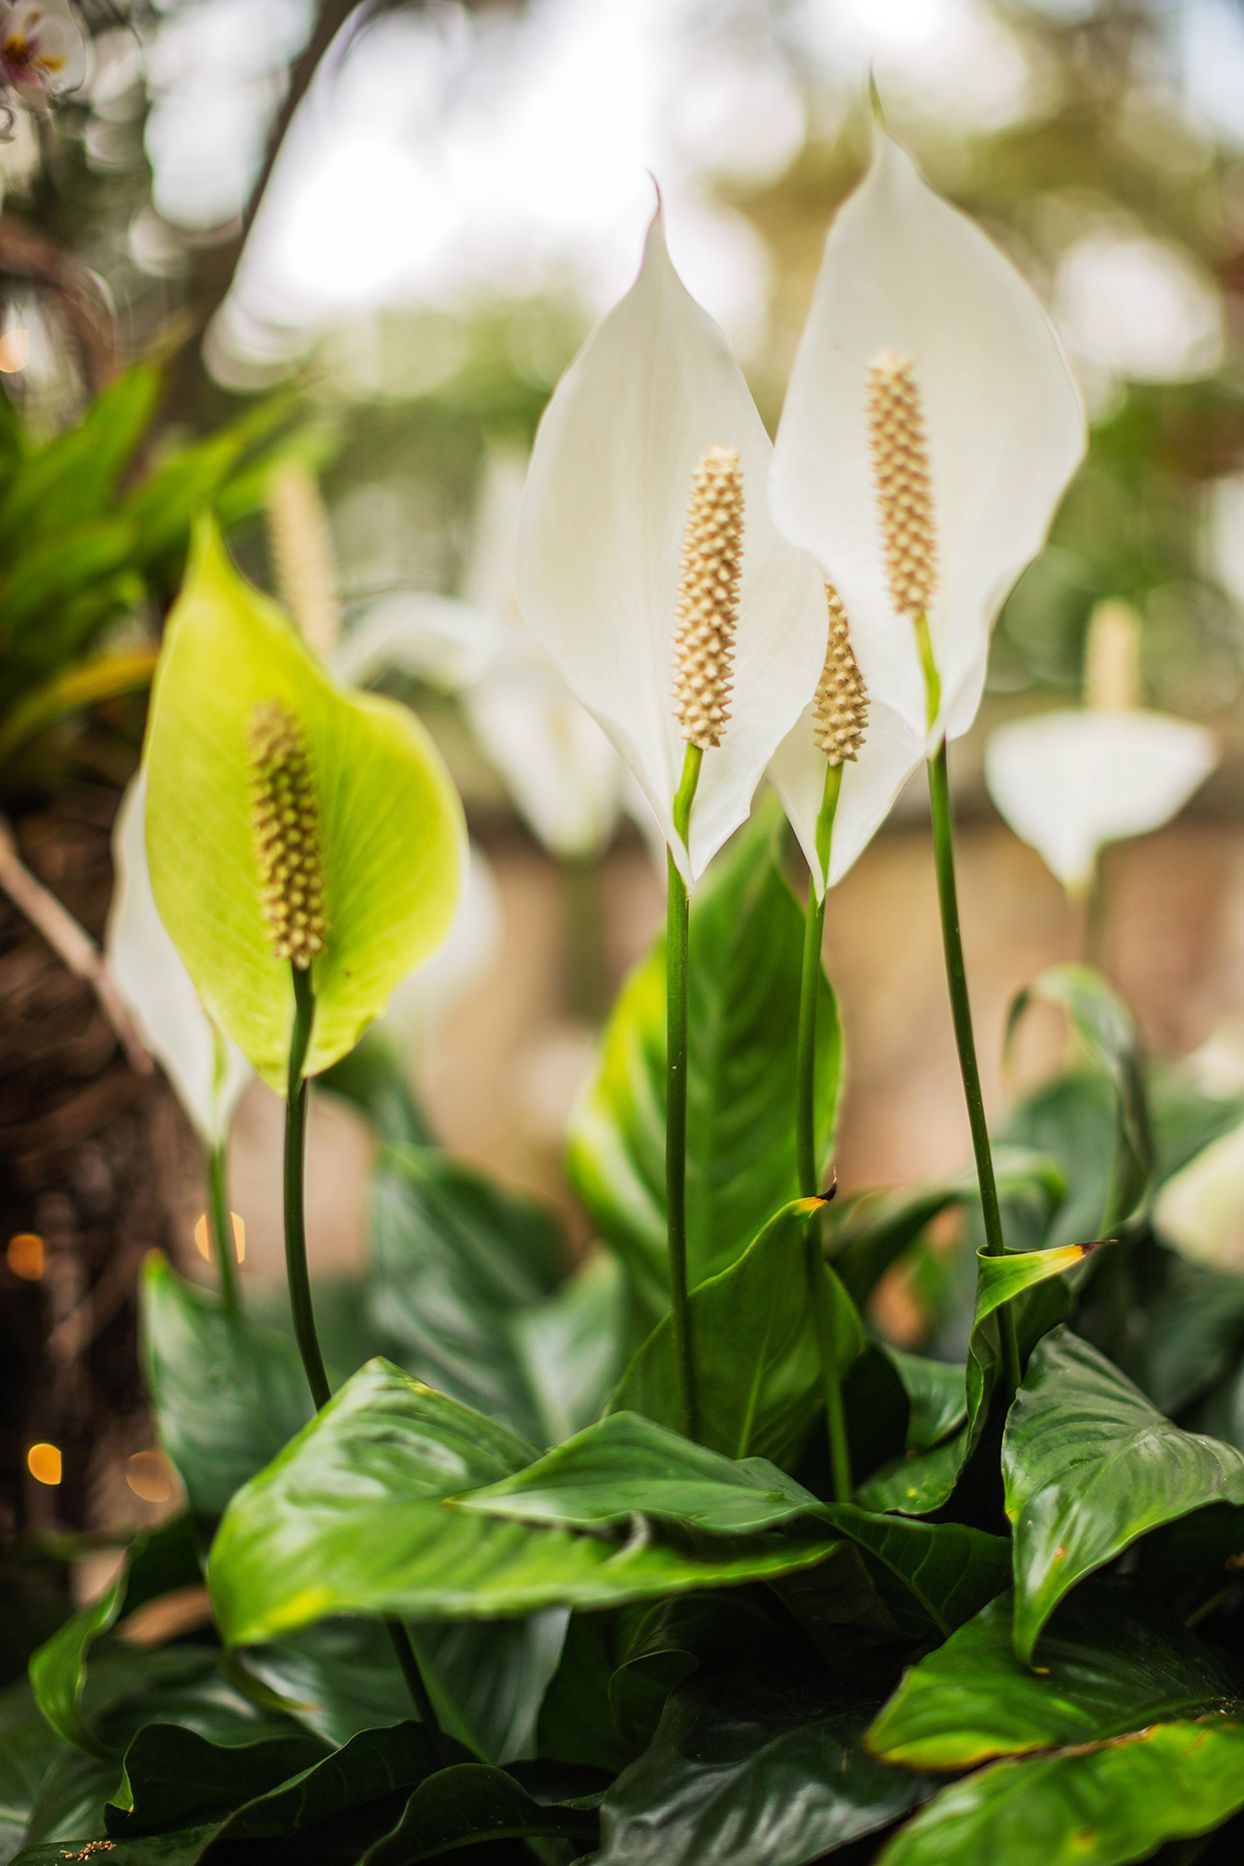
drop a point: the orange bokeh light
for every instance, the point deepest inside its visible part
(45, 1464)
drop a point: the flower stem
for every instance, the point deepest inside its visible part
(805, 1144)
(960, 1005)
(295, 1212)
(677, 939)
(221, 1221)
(300, 1289)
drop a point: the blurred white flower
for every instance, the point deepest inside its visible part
(905, 272)
(207, 1072)
(42, 51)
(564, 777)
(1068, 783)
(1200, 1210)
(653, 391)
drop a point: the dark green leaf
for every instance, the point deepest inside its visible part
(175, 1778)
(757, 1363)
(1090, 1466)
(924, 1480)
(454, 1259)
(753, 1772)
(351, 1518)
(745, 957)
(228, 1393)
(1108, 1034)
(157, 1563)
(1106, 1805)
(1110, 1665)
(461, 1806)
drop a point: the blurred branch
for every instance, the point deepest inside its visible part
(82, 301)
(70, 942)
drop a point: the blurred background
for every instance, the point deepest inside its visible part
(252, 251)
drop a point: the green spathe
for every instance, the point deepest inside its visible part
(390, 822)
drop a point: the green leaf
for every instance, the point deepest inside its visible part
(157, 1563)
(1090, 1466)
(466, 1804)
(28, 1748)
(176, 1778)
(1108, 1034)
(228, 1392)
(352, 1518)
(924, 1480)
(627, 1466)
(755, 1772)
(746, 947)
(1108, 1805)
(72, 477)
(1110, 1665)
(455, 1262)
(936, 1396)
(571, 1346)
(390, 823)
(873, 1230)
(758, 1370)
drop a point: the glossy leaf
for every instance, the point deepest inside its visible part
(1108, 1034)
(745, 957)
(467, 1804)
(390, 823)
(1109, 1665)
(372, 1533)
(628, 1466)
(758, 1773)
(1111, 1804)
(1089, 1467)
(176, 1778)
(455, 1260)
(758, 1369)
(924, 1480)
(228, 1393)
(159, 1562)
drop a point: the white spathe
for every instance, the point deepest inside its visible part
(429, 996)
(653, 389)
(1068, 783)
(207, 1072)
(905, 271)
(870, 786)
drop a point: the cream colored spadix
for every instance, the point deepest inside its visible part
(842, 725)
(653, 391)
(388, 826)
(911, 291)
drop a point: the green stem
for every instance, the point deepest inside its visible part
(965, 1041)
(295, 1210)
(805, 1144)
(221, 1221)
(677, 941)
(299, 1279)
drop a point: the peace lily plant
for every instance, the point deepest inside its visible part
(681, 1558)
